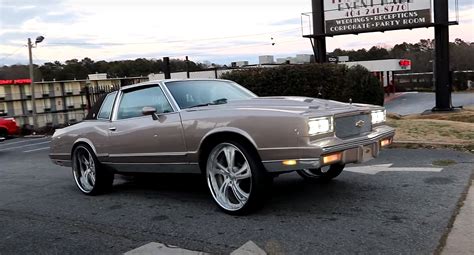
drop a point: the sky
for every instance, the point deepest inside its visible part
(218, 31)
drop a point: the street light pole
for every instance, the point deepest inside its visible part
(32, 86)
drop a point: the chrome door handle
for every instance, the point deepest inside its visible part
(112, 128)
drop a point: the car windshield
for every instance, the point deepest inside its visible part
(188, 94)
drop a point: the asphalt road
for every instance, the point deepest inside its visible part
(414, 102)
(391, 212)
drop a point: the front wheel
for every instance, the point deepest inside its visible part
(236, 178)
(90, 176)
(325, 173)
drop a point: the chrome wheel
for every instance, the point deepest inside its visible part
(84, 169)
(229, 176)
(323, 173)
(315, 174)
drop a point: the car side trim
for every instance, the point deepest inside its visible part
(155, 167)
(157, 154)
(285, 148)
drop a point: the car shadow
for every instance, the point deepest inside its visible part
(288, 194)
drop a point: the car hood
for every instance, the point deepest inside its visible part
(297, 105)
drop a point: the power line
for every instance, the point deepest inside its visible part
(12, 53)
(170, 41)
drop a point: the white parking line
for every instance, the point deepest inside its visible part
(6, 143)
(28, 145)
(155, 248)
(39, 149)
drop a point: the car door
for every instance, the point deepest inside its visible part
(139, 143)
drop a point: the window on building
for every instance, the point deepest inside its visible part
(2, 91)
(3, 109)
(45, 88)
(70, 101)
(27, 90)
(47, 104)
(68, 88)
(28, 106)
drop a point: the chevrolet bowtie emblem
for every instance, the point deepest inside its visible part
(360, 123)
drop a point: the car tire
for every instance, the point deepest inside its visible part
(91, 177)
(324, 174)
(237, 183)
(3, 133)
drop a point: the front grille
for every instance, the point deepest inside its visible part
(346, 126)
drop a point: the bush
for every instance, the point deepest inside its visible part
(328, 81)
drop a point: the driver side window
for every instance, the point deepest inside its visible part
(133, 102)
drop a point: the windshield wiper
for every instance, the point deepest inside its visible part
(220, 101)
(215, 102)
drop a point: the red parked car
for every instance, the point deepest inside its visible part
(8, 127)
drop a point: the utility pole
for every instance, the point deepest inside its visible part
(32, 85)
(441, 66)
(187, 67)
(166, 68)
(319, 38)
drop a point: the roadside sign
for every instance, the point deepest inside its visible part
(356, 16)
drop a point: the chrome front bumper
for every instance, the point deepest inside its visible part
(355, 150)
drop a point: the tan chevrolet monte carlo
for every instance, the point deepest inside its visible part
(238, 140)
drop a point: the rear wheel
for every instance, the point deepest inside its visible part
(325, 173)
(90, 176)
(236, 178)
(3, 133)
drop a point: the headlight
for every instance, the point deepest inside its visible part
(378, 116)
(320, 125)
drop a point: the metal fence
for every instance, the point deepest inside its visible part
(93, 94)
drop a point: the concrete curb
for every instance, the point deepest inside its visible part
(390, 98)
(459, 239)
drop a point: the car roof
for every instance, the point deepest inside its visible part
(165, 81)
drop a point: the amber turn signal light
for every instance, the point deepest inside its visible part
(385, 142)
(290, 162)
(327, 159)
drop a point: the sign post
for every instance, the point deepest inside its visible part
(319, 43)
(441, 68)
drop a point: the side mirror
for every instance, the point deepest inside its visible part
(147, 110)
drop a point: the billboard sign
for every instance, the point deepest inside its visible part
(16, 82)
(357, 16)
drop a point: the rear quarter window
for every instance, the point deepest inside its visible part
(107, 106)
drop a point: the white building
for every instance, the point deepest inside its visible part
(265, 60)
(303, 58)
(97, 76)
(383, 68)
(239, 63)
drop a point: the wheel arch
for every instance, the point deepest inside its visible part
(83, 141)
(213, 138)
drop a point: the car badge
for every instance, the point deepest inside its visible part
(360, 123)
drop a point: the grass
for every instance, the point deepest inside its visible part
(450, 129)
(464, 115)
(444, 162)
